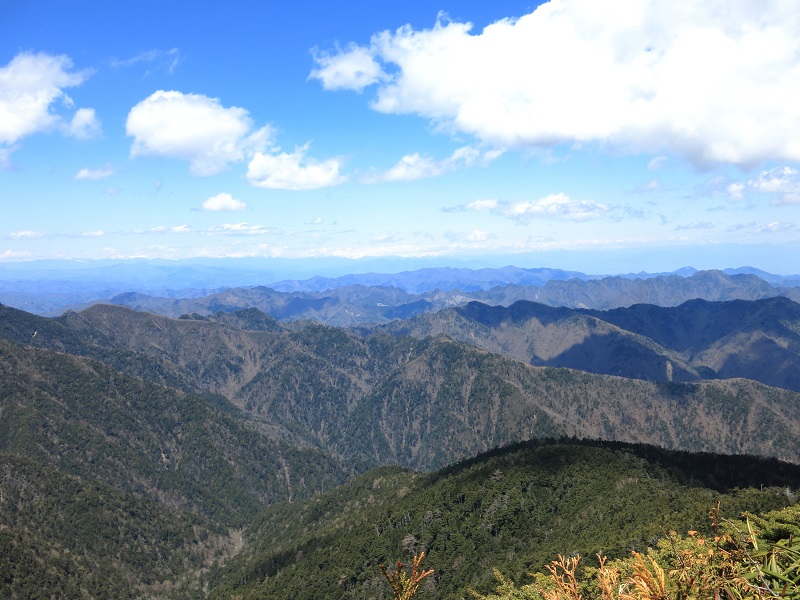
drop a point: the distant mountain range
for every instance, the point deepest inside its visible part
(757, 339)
(175, 288)
(359, 305)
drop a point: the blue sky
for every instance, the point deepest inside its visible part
(595, 136)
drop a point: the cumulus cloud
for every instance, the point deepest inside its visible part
(415, 166)
(224, 201)
(84, 124)
(32, 92)
(293, 171)
(553, 206)
(784, 182)
(712, 81)
(195, 128)
(94, 174)
(353, 68)
(736, 190)
(781, 183)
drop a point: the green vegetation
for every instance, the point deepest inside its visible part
(512, 509)
(755, 558)
(223, 483)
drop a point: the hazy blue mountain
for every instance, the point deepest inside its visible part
(698, 339)
(202, 286)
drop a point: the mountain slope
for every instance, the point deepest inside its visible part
(758, 339)
(124, 488)
(379, 398)
(194, 452)
(514, 509)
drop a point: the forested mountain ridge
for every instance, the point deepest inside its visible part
(379, 398)
(696, 340)
(513, 509)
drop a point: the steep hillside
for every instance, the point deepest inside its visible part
(758, 339)
(514, 509)
(125, 488)
(64, 536)
(197, 452)
(380, 398)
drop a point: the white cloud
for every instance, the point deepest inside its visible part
(174, 229)
(695, 225)
(96, 233)
(31, 89)
(781, 182)
(26, 234)
(352, 69)
(14, 254)
(5, 158)
(477, 235)
(293, 171)
(554, 206)
(713, 81)
(777, 227)
(655, 163)
(736, 190)
(486, 204)
(239, 229)
(224, 201)
(195, 128)
(415, 166)
(482, 204)
(94, 174)
(741, 227)
(161, 60)
(84, 124)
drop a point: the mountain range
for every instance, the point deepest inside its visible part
(757, 340)
(377, 398)
(203, 454)
(376, 298)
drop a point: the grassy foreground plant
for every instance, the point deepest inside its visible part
(405, 586)
(733, 564)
